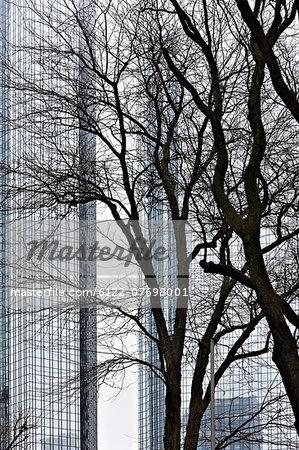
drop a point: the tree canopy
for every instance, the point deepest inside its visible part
(192, 105)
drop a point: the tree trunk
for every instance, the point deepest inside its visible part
(197, 410)
(285, 353)
(172, 438)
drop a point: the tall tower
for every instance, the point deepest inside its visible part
(3, 318)
(47, 353)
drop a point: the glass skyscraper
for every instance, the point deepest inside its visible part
(47, 353)
(3, 318)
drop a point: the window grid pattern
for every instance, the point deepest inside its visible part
(44, 345)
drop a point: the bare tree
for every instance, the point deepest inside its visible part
(187, 126)
(260, 206)
(16, 434)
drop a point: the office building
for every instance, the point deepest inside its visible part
(47, 353)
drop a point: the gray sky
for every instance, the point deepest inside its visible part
(118, 418)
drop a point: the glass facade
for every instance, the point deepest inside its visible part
(46, 353)
(232, 414)
(3, 316)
